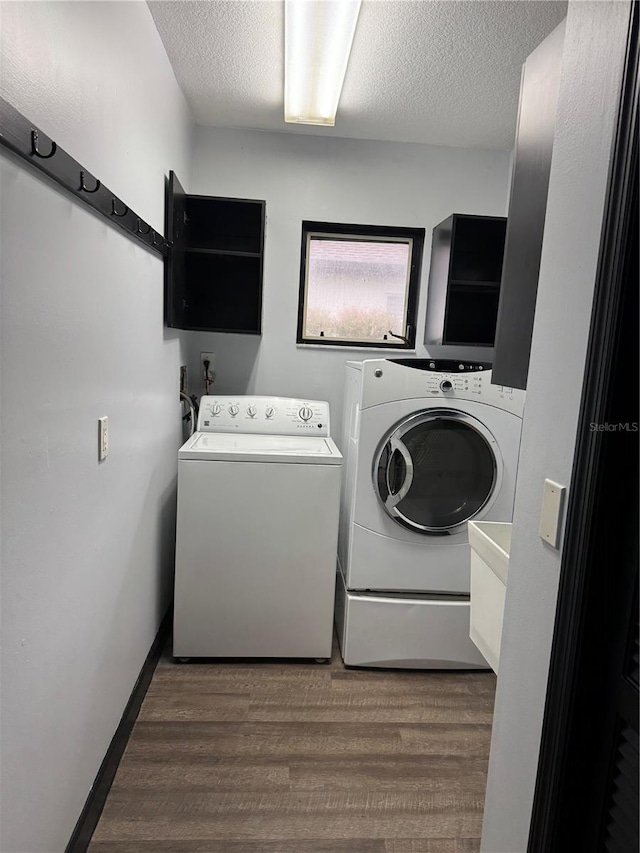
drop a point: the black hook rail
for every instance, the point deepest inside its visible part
(29, 142)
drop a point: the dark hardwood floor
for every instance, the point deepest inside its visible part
(300, 757)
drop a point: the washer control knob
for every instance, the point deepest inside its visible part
(252, 411)
(445, 385)
(270, 411)
(215, 409)
(305, 413)
(233, 410)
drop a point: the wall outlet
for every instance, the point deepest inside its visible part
(184, 382)
(103, 438)
(209, 374)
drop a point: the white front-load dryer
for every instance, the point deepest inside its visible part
(429, 445)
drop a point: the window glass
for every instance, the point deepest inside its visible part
(358, 289)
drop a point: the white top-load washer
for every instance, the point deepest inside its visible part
(429, 445)
(257, 525)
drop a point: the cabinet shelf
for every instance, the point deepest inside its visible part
(455, 282)
(196, 250)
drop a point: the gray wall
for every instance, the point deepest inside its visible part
(591, 76)
(335, 180)
(86, 547)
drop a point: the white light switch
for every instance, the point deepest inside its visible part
(551, 513)
(103, 438)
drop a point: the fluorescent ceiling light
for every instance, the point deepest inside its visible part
(318, 35)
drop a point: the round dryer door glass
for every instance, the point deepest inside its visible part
(436, 471)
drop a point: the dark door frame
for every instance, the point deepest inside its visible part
(595, 595)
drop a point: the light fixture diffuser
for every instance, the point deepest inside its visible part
(318, 37)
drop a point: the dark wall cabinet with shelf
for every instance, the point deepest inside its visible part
(464, 280)
(213, 273)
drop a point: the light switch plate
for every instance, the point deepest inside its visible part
(551, 512)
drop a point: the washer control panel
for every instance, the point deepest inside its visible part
(264, 415)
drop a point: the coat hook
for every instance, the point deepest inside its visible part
(139, 229)
(34, 146)
(114, 212)
(86, 189)
(154, 234)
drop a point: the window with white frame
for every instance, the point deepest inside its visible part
(359, 285)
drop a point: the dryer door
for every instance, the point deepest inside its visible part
(437, 470)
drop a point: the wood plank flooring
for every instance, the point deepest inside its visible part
(299, 757)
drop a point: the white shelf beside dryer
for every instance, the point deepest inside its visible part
(490, 545)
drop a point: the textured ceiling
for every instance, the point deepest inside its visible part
(441, 73)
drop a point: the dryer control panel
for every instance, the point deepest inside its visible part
(388, 380)
(264, 415)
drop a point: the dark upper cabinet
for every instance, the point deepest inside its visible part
(464, 280)
(213, 273)
(527, 209)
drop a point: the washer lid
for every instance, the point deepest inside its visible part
(261, 448)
